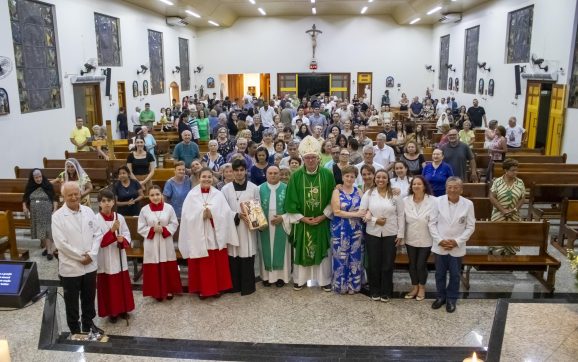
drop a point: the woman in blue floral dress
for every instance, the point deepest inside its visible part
(346, 232)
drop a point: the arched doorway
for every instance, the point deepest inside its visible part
(174, 92)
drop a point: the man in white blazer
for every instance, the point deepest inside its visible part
(77, 238)
(452, 224)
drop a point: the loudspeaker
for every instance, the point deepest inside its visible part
(18, 283)
(517, 76)
(107, 91)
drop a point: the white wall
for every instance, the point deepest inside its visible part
(552, 34)
(26, 138)
(348, 44)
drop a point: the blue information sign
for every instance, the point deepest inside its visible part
(10, 277)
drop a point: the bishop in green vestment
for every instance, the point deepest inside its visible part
(307, 203)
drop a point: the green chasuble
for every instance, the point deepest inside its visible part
(277, 260)
(309, 194)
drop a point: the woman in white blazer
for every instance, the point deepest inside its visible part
(418, 207)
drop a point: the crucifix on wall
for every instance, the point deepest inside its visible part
(313, 33)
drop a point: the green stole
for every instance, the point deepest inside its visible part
(278, 260)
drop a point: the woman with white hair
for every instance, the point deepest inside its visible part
(213, 159)
(150, 142)
(74, 172)
(99, 134)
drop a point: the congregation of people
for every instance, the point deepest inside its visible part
(339, 206)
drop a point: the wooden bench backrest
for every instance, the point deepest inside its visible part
(479, 137)
(548, 178)
(538, 167)
(552, 193)
(569, 211)
(482, 161)
(8, 230)
(11, 201)
(97, 175)
(482, 207)
(163, 146)
(163, 174)
(536, 158)
(510, 233)
(94, 155)
(475, 190)
(13, 184)
(85, 163)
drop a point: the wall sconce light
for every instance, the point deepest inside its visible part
(483, 66)
(449, 66)
(104, 71)
(143, 70)
(430, 68)
(198, 69)
(177, 70)
(87, 69)
(522, 68)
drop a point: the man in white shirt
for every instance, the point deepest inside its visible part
(384, 155)
(292, 150)
(135, 118)
(368, 159)
(267, 113)
(441, 107)
(344, 112)
(515, 135)
(300, 115)
(451, 225)
(77, 238)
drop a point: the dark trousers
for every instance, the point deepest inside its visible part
(381, 253)
(242, 274)
(453, 265)
(418, 264)
(123, 134)
(83, 286)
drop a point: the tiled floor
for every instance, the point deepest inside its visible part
(281, 315)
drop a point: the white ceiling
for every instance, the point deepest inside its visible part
(226, 12)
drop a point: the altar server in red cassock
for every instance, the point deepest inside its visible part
(207, 227)
(157, 223)
(112, 280)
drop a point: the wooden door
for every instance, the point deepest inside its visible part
(287, 83)
(92, 105)
(121, 95)
(235, 82)
(531, 114)
(339, 85)
(265, 85)
(556, 120)
(363, 80)
(174, 92)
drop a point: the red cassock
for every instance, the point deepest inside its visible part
(161, 275)
(114, 290)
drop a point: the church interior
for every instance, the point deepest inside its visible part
(63, 59)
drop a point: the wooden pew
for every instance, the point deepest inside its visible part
(494, 233)
(563, 178)
(112, 166)
(539, 167)
(550, 196)
(537, 158)
(8, 238)
(98, 176)
(479, 137)
(568, 226)
(11, 194)
(135, 252)
(482, 207)
(479, 189)
(120, 155)
(520, 151)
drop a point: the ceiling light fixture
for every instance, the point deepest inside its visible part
(314, 11)
(364, 10)
(312, 1)
(192, 13)
(262, 11)
(437, 8)
(370, 1)
(252, 2)
(213, 23)
(414, 21)
(166, 2)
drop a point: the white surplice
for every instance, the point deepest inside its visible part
(247, 239)
(159, 249)
(108, 259)
(197, 236)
